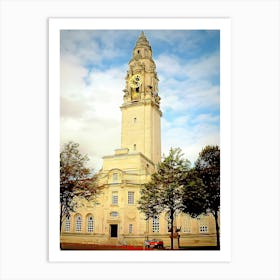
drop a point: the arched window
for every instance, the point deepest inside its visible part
(90, 224)
(155, 224)
(67, 225)
(78, 223)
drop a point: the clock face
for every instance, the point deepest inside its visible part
(135, 81)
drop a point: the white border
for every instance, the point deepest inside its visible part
(222, 24)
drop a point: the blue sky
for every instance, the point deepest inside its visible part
(93, 69)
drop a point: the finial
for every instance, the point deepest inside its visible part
(142, 39)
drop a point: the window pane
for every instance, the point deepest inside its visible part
(114, 214)
(203, 229)
(90, 226)
(78, 223)
(115, 198)
(67, 225)
(130, 228)
(156, 224)
(130, 197)
(115, 177)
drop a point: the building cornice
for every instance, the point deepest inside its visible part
(130, 155)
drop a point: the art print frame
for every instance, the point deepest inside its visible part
(55, 25)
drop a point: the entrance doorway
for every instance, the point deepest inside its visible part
(114, 230)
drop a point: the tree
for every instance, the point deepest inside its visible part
(149, 201)
(207, 167)
(76, 180)
(194, 198)
(164, 192)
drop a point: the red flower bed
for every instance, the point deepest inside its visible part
(75, 246)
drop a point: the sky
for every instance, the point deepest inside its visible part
(93, 69)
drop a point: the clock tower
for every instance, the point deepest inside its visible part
(141, 104)
(114, 218)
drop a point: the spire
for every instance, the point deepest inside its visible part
(142, 41)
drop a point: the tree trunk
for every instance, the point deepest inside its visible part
(60, 217)
(172, 220)
(217, 229)
(147, 228)
(60, 245)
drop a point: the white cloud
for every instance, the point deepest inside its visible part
(182, 96)
(169, 66)
(90, 113)
(181, 42)
(88, 46)
(206, 67)
(206, 118)
(195, 69)
(185, 86)
(90, 97)
(191, 139)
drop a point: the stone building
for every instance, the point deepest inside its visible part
(115, 219)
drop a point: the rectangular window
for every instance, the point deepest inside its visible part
(115, 177)
(115, 198)
(156, 224)
(187, 226)
(114, 214)
(186, 229)
(130, 198)
(203, 229)
(67, 225)
(130, 228)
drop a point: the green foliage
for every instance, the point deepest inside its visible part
(176, 187)
(76, 181)
(194, 199)
(164, 192)
(149, 200)
(208, 168)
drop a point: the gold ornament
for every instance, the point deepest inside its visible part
(135, 81)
